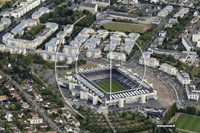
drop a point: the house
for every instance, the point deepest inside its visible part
(2, 127)
(24, 105)
(13, 92)
(3, 97)
(8, 65)
(9, 116)
(93, 53)
(17, 96)
(20, 114)
(183, 78)
(36, 120)
(60, 120)
(67, 115)
(76, 122)
(13, 126)
(168, 69)
(68, 128)
(28, 88)
(43, 125)
(8, 103)
(16, 131)
(50, 111)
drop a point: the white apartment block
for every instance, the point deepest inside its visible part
(93, 53)
(9, 39)
(36, 120)
(40, 12)
(183, 77)
(89, 6)
(75, 43)
(26, 23)
(168, 69)
(71, 49)
(163, 13)
(25, 7)
(51, 56)
(192, 93)
(12, 49)
(89, 45)
(116, 56)
(50, 47)
(187, 44)
(152, 62)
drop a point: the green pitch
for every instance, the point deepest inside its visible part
(105, 85)
(188, 122)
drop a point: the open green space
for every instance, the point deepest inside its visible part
(105, 85)
(123, 27)
(188, 122)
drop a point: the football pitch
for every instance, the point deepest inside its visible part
(105, 85)
(188, 122)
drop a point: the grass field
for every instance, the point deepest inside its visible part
(123, 27)
(105, 85)
(188, 122)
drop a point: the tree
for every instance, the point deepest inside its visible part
(140, 14)
(60, 111)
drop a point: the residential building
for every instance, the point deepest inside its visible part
(168, 69)
(187, 44)
(70, 49)
(116, 56)
(93, 53)
(75, 43)
(89, 45)
(36, 120)
(101, 3)
(183, 78)
(192, 94)
(40, 12)
(89, 6)
(51, 46)
(109, 47)
(3, 97)
(24, 105)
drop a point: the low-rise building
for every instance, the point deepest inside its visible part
(183, 78)
(93, 53)
(168, 69)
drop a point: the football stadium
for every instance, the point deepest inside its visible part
(126, 87)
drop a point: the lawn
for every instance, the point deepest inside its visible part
(188, 122)
(124, 27)
(105, 85)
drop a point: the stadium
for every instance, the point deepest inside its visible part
(94, 84)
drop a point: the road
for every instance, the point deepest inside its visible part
(34, 104)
